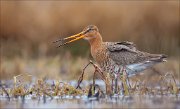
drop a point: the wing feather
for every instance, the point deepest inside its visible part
(125, 53)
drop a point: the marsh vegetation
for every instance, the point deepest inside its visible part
(34, 73)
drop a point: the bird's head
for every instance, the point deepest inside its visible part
(88, 33)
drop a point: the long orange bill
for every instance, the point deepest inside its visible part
(70, 38)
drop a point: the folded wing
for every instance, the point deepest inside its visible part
(126, 54)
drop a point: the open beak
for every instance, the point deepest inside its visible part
(70, 39)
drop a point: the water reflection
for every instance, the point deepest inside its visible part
(84, 102)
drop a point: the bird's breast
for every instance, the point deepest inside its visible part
(99, 54)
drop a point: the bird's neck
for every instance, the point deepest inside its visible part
(96, 47)
(97, 41)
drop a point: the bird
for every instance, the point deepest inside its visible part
(111, 57)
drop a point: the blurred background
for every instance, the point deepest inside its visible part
(28, 29)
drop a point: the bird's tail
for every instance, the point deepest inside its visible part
(158, 57)
(138, 67)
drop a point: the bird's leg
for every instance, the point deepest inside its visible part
(121, 81)
(112, 83)
(127, 78)
(82, 75)
(116, 77)
(101, 74)
(103, 77)
(116, 83)
(125, 81)
(94, 82)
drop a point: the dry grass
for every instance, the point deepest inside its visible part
(68, 68)
(168, 85)
(57, 67)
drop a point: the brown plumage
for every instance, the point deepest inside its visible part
(112, 56)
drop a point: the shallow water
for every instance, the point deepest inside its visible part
(67, 101)
(136, 101)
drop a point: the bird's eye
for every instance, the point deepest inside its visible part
(89, 30)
